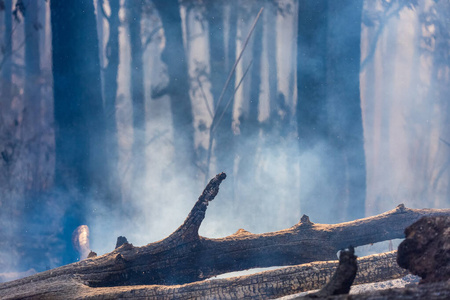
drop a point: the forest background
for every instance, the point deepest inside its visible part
(114, 114)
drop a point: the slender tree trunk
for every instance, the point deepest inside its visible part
(6, 63)
(215, 18)
(250, 127)
(137, 89)
(32, 90)
(100, 16)
(222, 54)
(81, 164)
(388, 96)
(174, 57)
(271, 46)
(110, 94)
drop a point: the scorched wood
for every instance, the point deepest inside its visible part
(185, 256)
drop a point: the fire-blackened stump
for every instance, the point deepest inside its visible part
(342, 279)
(426, 250)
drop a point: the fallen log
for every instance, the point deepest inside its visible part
(264, 285)
(185, 256)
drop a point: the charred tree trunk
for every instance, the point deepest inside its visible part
(81, 165)
(175, 59)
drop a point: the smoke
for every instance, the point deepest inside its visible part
(403, 132)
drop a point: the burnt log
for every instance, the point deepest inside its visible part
(264, 285)
(185, 257)
(426, 249)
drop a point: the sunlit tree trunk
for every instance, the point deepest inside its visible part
(271, 46)
(81, 164)
(250, 126)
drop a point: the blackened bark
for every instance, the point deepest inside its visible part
(185, 256)
(264, 285)
(174, 57)
(425, 250)
(342, 280)
(81, 165)
(137, 88)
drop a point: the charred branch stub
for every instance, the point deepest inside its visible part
(189, 230)
(120, 241)
(343, 278)
(426, 249)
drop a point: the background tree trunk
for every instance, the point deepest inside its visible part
(222, 52)
(312, 118)
(110, 93)
(250, 128)
(329, 110)
(32, 90)
(81, 164)
(348, 168)
(6, 63)
(175, 59)
(137, 90)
